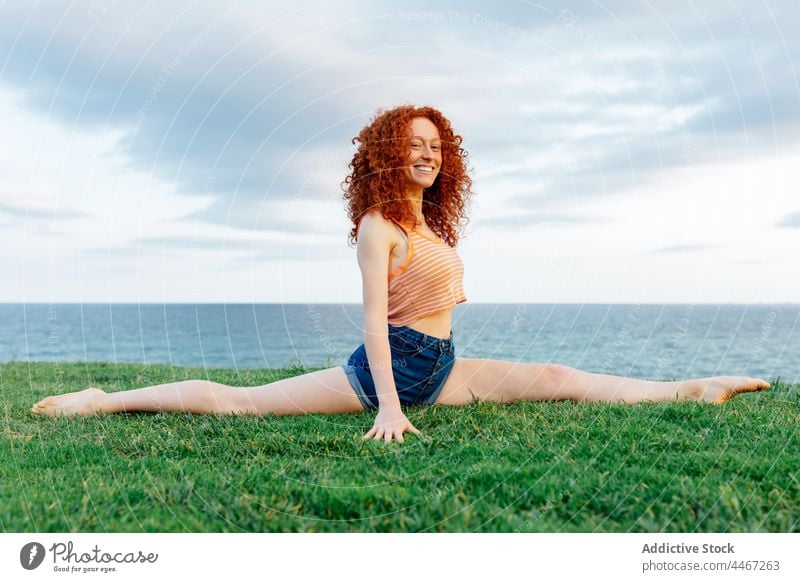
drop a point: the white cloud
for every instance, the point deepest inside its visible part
(727, 209)
(610, 134)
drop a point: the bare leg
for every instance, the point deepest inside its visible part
(508, 381)
(588, 387)
(325, 391)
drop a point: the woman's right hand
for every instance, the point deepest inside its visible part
(390, 422)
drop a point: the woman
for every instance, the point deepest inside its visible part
(406, 195)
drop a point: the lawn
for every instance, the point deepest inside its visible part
(524, 467)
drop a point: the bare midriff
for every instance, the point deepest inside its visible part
(436, 324)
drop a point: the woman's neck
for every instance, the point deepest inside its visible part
(416, 206)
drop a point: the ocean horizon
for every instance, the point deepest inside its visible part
(646, 340)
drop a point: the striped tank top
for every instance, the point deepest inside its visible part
(429, 280)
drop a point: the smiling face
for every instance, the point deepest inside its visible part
(425, 154)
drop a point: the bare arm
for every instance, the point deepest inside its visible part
(374, 247)
(375, 240)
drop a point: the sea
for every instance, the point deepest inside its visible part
(651, 341)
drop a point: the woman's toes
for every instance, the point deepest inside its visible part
(757, 385)
(82, 402)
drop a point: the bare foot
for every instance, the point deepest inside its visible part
(82, 403)
(720, 389)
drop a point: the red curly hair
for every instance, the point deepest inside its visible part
(377, 179)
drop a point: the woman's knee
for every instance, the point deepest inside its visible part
(558, 374)
(223, 399)
(535, 382)
(550, 382)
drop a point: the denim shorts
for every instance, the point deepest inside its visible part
(420, 366)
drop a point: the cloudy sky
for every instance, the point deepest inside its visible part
(193, 151)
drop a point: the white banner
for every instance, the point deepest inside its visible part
(407, 557)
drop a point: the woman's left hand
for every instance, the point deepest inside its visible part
(390, 422)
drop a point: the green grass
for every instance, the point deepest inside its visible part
(527, 467)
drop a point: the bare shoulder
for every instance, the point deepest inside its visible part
(376, 241)
(375, 230)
